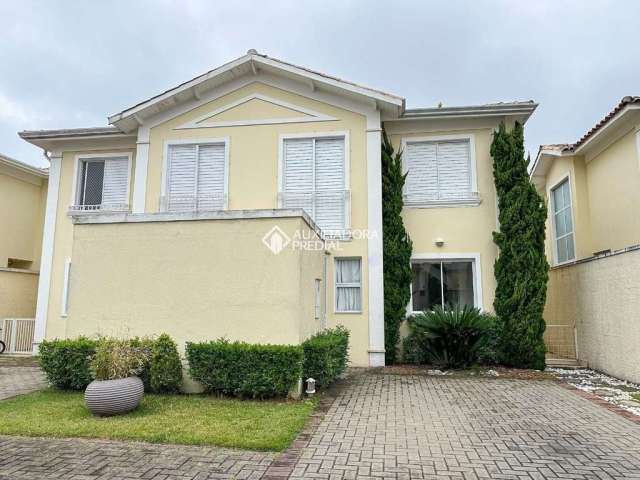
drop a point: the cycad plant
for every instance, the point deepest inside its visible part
(452, 336)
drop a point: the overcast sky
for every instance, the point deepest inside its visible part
(71, 64)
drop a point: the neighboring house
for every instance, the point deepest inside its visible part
(22, 196)
(592, 189)
(246, 203)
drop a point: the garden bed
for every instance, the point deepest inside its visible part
(482, 372)
(172, 419)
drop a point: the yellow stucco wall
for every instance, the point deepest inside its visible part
(605, 190)
(613, 182)
(18, 290)
(464, 229)
(23, 198)
(253, 184)
(195, 280)
(63, 237)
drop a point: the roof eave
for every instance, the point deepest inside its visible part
(524, 111)
(390, 101)
(23, 167)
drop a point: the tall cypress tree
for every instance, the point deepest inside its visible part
(397, 248)
(521, 269)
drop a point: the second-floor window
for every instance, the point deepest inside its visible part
(314, 179)
(103, 184)
(563, 222)
(438, 172)
(196, 177)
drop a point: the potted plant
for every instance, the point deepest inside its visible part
(115, 367)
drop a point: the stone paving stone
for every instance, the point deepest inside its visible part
(76, 459)
(16, 380)
(420, 427)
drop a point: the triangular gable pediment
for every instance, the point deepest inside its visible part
(256, 109)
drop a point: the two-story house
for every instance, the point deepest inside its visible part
(246, 203)
(23, 191)
(592, 189)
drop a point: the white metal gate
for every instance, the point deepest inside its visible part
(17, 334)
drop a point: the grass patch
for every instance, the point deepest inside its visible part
(178, 419)
(636, 397)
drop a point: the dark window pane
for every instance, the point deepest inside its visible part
(458, 283)
(426, 287)
(93, 176)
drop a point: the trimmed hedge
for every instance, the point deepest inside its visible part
(165, 372)
(245, 370)
(66, 363)
(325, 355)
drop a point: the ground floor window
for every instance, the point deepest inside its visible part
(442, 282)
(348, 285)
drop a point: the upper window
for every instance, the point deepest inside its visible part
(314, 179)
(563, 222)
(443, 283)
(438, 172)
(348, 285)
(103, 184)
(196, 177)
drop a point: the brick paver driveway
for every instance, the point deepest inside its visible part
(383, 426)
(406, 427)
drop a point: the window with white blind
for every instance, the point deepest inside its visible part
(196, 177)
(563, 222)
(102, 184)
(314, 179)
(348, 277)
(439, 171)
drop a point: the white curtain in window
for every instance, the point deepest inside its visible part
(348, 298)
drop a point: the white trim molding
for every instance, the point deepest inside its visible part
(374, 242)
(142, 167)
(65, 288)
(44, 282)
(309, 115)
(473, 199)
(452, 257)
(554, 246)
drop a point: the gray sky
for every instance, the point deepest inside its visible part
(70, 64)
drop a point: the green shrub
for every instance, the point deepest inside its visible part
(489, 351)
(450, 337)
(245, 370)
(326, 355)
(166, 368)
(116, 358)
(65, 363)
(146, 344)
(412, 350)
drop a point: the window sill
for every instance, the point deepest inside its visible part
(351, 312)
(461, 202)
(96, 209)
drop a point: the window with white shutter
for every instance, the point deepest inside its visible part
(314, 173)
(102, 184)
(196, 177)
(439, 172)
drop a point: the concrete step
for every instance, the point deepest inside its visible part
(567, 363)
(10, 360)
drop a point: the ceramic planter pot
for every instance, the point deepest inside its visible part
(113, 397)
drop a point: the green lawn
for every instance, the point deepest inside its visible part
(181, 419)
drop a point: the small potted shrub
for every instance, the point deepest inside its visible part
(115, 367)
